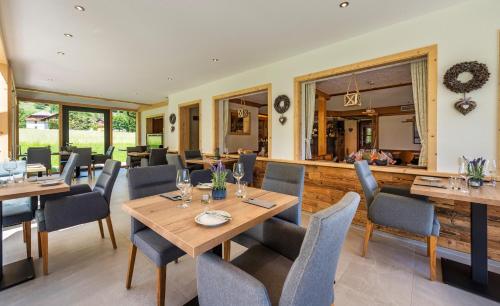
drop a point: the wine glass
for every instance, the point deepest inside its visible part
(183, 182)
(492, 171)
(9, 166)
(238, 173)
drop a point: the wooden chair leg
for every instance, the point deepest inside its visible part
(431, 249)
(161, 277)
(24, 232)
(131, 263)
(226, 255)
(39, 244)
(45, 251)
(27, 235)
(101, 229)
(111, 233)
(368, 233)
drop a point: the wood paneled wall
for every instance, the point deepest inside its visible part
(325, 185)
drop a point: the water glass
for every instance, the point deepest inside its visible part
(492, 171)
(454, 183)
(243, 190)
(10, 166)
(206, 199)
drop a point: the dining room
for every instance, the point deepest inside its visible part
(348, 160)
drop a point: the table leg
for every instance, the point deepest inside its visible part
(474, 278)
(194, 301)
(14, 273)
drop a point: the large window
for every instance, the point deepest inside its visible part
(39, 127)
(124, 133)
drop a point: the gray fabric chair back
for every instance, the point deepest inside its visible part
(147, 181)
(193, 154)
(142, 148)
(368, 182)
(39, 155)
(201, 176)
(106, 180)
(84, 156)
(69, 168)
(109, 152)
(158, 157)
(133, 149)
(287, 179)
(175, 159)
(248, 161)
(310, 280)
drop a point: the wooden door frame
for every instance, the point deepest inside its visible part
(215, 108)
(189, 104)
(430, 52)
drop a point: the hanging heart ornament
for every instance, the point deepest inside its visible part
(465, 105)
(282, 120)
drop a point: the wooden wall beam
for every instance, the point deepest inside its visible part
(381, 111)
(373, 89)
(321, 102)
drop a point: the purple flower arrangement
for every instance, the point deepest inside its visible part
(219, 175)
(475, 168)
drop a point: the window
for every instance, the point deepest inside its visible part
(124, 133)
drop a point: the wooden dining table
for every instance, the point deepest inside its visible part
(178, 225)
(474, 278)
(139, 154)
(209, 162)
(20, 271)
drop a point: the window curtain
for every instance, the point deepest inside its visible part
(419, 83)
(309, 96)
(225, 125)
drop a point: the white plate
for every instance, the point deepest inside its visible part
(204, 186)
(430, 178)
(212, 218)
(50, 183)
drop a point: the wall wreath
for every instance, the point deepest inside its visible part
(172, 118)
(281, 105)
(479, 72)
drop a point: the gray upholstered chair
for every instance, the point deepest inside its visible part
(100, 159)
(84, 160)
(283, 178)
(66, 175)
(248, 161)
(144, 182)
(19, 211)
(40, 155)
(157, 157)
(293, 272)
(78, 206)
(205, 176)
(175, 160)
(131, 160)
(411, 214)
(193, 154)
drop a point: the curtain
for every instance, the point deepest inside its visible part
(225, 126)
(419, 83)
(309, 95)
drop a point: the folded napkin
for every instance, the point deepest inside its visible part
(172, 197)
(260, 202)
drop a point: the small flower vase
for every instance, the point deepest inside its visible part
(475, 182)
(219, 194)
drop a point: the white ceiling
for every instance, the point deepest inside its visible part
(127, 49)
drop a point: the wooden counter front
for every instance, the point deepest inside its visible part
(326, 183)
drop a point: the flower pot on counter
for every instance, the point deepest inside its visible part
(219, 194)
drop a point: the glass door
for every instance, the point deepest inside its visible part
(86, 128)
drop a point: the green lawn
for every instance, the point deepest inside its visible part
(93, 139)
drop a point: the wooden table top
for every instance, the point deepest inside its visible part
(211, 161)
(138, 154)
(35, 168)
(177, 225)
(488, 195)
(29, 189)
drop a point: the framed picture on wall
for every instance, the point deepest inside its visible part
(416, 136)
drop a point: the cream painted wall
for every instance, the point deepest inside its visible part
(395, 134)
(463, 32)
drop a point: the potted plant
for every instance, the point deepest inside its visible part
(219, 175)
(475, 171)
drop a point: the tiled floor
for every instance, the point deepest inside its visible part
(85, 270)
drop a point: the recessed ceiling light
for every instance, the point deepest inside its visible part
(79, 8)
(170, 78)
(68, 35)
(344, 4)
(215, 60)
(61, 53)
